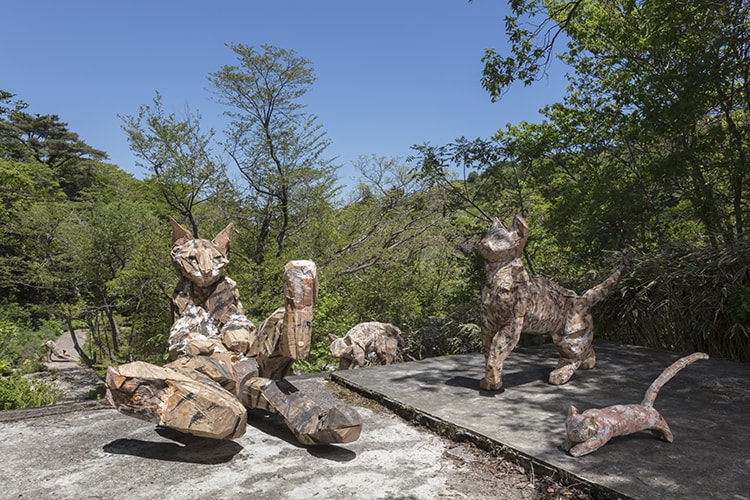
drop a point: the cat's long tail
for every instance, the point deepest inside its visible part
(595, 294)
(667, 374)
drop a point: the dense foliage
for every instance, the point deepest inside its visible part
(648, 150)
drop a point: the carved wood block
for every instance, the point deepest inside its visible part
(217, 367)
(166, 397)
(310, 423)
(301, 290)
(238, 335)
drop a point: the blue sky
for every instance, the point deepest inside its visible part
(391, 73)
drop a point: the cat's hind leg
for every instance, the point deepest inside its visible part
(660, 428)
(574, 344)
(589, 360)
(310, 423)
(193, 405)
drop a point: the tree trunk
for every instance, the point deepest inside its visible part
(86, 360)
(93, 329)
(113, 326)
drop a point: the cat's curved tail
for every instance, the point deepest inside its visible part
(595, 294)
(667, 374)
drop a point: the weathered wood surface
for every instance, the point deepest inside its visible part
(373, 337)
(515, 302)
(301, 292)
(309, 422)
(166, 397)
(221, 364)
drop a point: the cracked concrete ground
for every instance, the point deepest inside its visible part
(86, 450)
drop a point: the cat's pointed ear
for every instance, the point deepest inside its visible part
(497, 224)
(179, 234)
(519, 225)
(224, 238)
(332, 337)
(572, 411)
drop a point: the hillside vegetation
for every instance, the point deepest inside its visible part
(648, 151)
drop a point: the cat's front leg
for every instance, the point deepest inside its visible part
(567, 445)
(496, 350)
(603, 432)
(239, 335)
(590, 445)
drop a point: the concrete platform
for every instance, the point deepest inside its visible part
(88, 450)
(707, 406)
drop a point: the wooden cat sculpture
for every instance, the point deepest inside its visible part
(373, 337)
(588, 431)
(515, 302)
(53, 350)
(222, 365)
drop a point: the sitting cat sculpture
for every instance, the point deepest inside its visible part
(221, 364)
(515, 302)
(588, 431)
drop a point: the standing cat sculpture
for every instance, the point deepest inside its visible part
(515, 302)
(222, 365)
(588, 431)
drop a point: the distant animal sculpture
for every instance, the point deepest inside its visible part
(514, 302)
(588, 431)
(53, 350)
(381, 339)
(221, 364)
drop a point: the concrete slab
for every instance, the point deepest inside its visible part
(707, 406)
(88, 450)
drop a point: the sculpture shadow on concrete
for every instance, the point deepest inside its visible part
(185, 448)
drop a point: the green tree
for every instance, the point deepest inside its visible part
(278, 149)
(655, 118)
(180, 156)
(45, 139)
(143, 290)
(393, 254)
(648, 147)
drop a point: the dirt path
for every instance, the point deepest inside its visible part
(72, 378)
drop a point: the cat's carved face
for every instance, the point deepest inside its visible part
(504, 245)
(579, 428)
(200, 261)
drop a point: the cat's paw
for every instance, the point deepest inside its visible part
(589, 362)
(561, 376)
(485, 385)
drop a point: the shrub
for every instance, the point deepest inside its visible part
(683, 300)
(19, 392)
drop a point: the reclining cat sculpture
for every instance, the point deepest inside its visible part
(588, 431)
(222, 365)
(52, 350)
(514, 302)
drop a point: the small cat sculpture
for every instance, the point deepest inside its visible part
(588, 431)
(372, 337)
